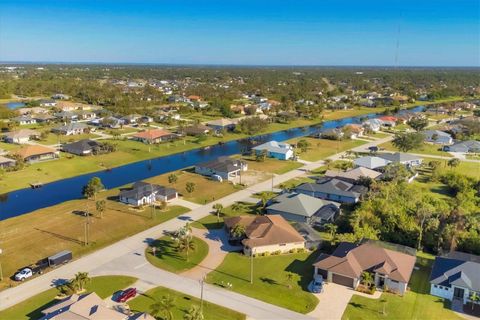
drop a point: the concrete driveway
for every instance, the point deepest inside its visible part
(334, 300)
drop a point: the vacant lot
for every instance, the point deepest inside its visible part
(28, 238)
(206, 190)
(182, 303)
(31, 308)
(427, 149)
(416, 304)
(272, 165)
(322, 148)
(58, 139)
(167, 256)
(270, 283)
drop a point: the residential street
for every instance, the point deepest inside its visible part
(126, 257)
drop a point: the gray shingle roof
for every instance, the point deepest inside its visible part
(143, 189)
(274, 146)
(449, 271)
(398, 157)
(333, 186)
(223, 164)
(299, 204)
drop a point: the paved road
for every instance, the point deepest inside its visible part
(126, 257)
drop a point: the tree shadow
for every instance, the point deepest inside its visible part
(269, 281)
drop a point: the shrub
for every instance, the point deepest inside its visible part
(294, 250)
(276, 253)
(266, 254)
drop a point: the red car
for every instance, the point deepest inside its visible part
(127, 294)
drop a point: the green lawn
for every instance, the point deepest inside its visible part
(182, 302)
(416, 304)
(427, 149)
(211, 221)
(31, 308)
(270, 283)
(272, 165)
(323, 148)
(168, 258)
(471, 169)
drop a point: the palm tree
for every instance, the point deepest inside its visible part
(327, 162)
(264, 197)
(80, 280)
(474, 298)
(194, 313)
(289, 276)
(238, 231)
(185, 244)
(237, 206)
(367, 278)
(163, 306)
(332, 230)
(218, 209)
(100, 205)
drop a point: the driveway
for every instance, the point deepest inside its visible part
(334, 300)
(218, 248)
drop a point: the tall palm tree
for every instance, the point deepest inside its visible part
(332, 230)
(163, 306)
(367, 278)
(185, 244)
(194, 313)
(218, 209)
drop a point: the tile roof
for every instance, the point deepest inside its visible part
(152, 134)
(353, 174)
(33, 150)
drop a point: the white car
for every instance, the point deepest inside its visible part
(24, 274)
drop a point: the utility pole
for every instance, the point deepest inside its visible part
(1, 271)
(87, 226)
(251, 265)
(202, 280)
(272, 180)
(152, 214)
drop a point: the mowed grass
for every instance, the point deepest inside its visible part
(471, 169)
(206, 190)
(167, 256)
(272, 165)
(44, 232)
(182, 302)
(213, 222)
(427, 149)
(270, 283)
(415, 304)
(31, 308)
(322, 148)
(52, 138)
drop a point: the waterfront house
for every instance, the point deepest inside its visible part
(143, 193)
(37, 153)
(224, 167)
(83, 147)
(274, 149)
(222, 124)
(152, 136)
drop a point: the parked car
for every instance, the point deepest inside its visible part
(127, 294)
(23, 274)
(316, 286)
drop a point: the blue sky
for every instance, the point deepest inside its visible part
(321, 32)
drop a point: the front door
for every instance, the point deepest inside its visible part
(381, 282)
(458, 293)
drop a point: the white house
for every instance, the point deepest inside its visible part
(274, 149)
(438, 137)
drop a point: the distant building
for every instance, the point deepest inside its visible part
(222, 124)
(274, 149)
(6, 162)
(21, 136)
(267, 233)
(143, 193)
(24, 120)
(47, 103)
(154, 136)
(470, 146)
(73, 128)
(438, 137)
(83, 147)
(224, 167)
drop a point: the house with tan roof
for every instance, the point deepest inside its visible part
(222, 124)
(390, 269)
(36, 153)
(353, 175)
(267, 233)
(154, 136)
(87, 307)
(21, 136)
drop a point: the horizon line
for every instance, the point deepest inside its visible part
(228, 64)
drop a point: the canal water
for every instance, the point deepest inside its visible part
(26, 200)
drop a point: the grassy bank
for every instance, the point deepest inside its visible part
(49, 230)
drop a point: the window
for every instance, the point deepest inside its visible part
(282, 244)
(393, 281)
